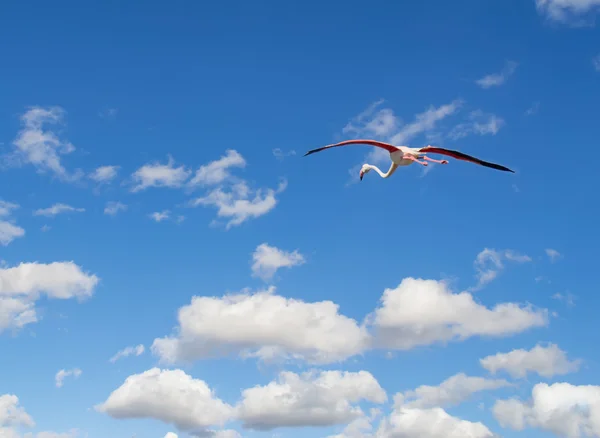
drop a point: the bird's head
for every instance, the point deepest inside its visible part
(364, 169)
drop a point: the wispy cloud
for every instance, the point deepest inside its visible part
(217, 171)
(128, 351)
(160, 216)
(280, 155)
(567, 297)
(108, 113)
(553, 254)
(267, 260)
(490, 262)
(8, 230)
(113, 207)
(159, 175)
(104, 174)
(497, 79)
(596, 62)
(62, 374)
(478, 123)
(57, 209)
(571, 12)
(533, 109)
(42, 147)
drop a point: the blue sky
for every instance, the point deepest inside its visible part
(155, 202)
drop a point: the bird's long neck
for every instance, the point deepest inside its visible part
(391, 170)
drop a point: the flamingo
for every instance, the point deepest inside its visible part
(403, 156)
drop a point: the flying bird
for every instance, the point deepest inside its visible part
(403, 156)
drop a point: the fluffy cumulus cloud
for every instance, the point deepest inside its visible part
(547, 361)
(138, 350)
(263, 325)
(567, 11)
(450, 392)
(159, 175)
(22, 285)
(310, 399)
(159, 216)
(57, 209)
(423, 312)
(61, 375)
(9, 231)
(561, 408)
(267, 260)
(553, 254)
(114, 207)
(497, 79)
(42, 147)
(171, 396)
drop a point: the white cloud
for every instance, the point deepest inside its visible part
(280, 155)
(497, 79)
(450, 392)
(568, 298)
(553, 254)
(21, 286)
(57, 209)
(71, 434)
(240, 203)
(8, 230)
(113, 207)
(12, 414)
(567, 11)
(490, 262)
(533, 109)
(478, 123)
(546, 361)
(268, 259)
(596, 62)
(160, 216)
(104, 174)
(159, 175)
(217, 171)
(108, 113)
(385, 125)
(313, 398)
(262, 325)
(565, 410)
(429, 423)
(42, 148)
(171, 396)
(61, 375)
(128, 351)
(171, 435)
(423, 312)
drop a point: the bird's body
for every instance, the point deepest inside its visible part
(405, 156)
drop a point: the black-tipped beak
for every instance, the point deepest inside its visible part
(361, 177)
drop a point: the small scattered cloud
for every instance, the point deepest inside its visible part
(267, 260)
(160, 216)
(280, 154)
(497, 79)
(104, 174)
(571, 12)
(533, 109)
(490, 262)
(596, 62)
(114, 207)
(159, 175)
(546, 361)
(57, 209)
(138, 350)
(108, 113)
(45, 228)
(217, 171)
(553, 254)
(478, 123)
(567, 298)
(9, 231)
(41, 147)
(63, 374)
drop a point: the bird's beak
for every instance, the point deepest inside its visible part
(361, 176)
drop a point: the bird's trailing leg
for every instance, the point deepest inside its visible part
(411, 158)
(426, 158)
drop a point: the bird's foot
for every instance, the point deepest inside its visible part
(424, 163)
(444, 162)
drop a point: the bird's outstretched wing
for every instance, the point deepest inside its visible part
(388, 147)
(464, 157)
